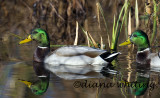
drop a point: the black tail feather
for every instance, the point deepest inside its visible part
(109, 57)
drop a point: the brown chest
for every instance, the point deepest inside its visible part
(143, 57)
(40, 54)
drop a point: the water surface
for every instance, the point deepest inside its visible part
(17, 61)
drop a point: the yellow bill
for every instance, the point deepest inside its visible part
(26, 82)
(28, 39)
(127, 42)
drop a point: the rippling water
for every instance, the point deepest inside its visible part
(105, 81)
(117, 80)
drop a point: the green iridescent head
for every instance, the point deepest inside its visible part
(38, 35)
(138, 38)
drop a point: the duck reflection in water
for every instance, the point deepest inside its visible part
(141, 84)
(142, 80)
(39, 86)
(138, 87)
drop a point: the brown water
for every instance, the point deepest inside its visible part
(16, 61)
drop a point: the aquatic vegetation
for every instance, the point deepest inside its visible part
(76, 38)
(136, 15)
(117, 31)
(102, 24)
(116, 27)
(90, 40)
(105, 22)
(154, 22)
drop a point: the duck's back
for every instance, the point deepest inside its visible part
(74, 55)
(78, 50)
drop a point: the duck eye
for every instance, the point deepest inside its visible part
(135, 35)
(34, 32)
(35, 90)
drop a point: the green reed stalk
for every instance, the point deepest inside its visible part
(124, 16)
(116, 33)
(113, 35)
(57, 45)
(16, 35)
(154, 21)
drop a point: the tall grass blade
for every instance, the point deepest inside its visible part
(136, 15)
(94, 42)
(54, 9)
(116, 35)
(117, 24)
(86, 33)
(154, 21)
(99, 25)
(129, 23)
(87, 39)
(57, 45)
(124, 16)
(102, 47)
(113, 34)
(98, 16)
(16, 35)
(126, 19)
(116, 42)
(102, 13)
(76, 38)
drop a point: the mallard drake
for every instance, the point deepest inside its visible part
(68, 55)
(144, 55)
